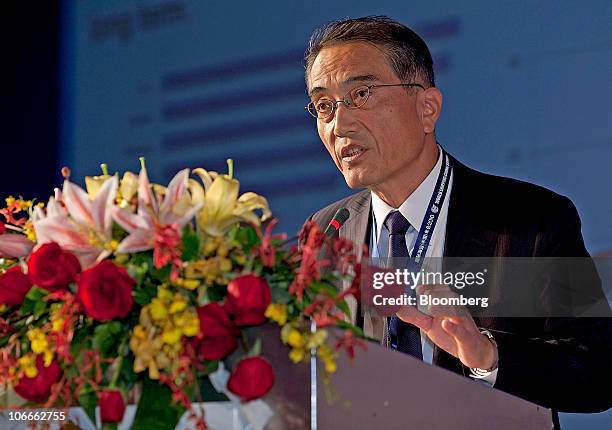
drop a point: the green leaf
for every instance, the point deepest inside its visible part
(280, 293)
(34, 297)
(322, 287)
(210, 367)
(191, 244)
(105, 337)
(138, 271)
(162, 274)
(144, 293)
(216, 293)
(343, 306)
(127, 376)
(246, 236)
(208, 392)
(347, 326)
(255, 349)
(155, 409)
(88, 401)
(79, 340)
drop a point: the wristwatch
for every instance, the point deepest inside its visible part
(483, 373)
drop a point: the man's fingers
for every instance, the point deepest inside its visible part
(412, 315)
(458, 330)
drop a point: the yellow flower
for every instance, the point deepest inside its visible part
(330, 366)
(24, 205)
(47, 358)
(188, 322)
(57, 324)
(297, 355)
(329, 358)
(28, 364)
(28, 229)
(172, 336)
(140, 332)
(277, 312)
(94, 183)
(158, 309)
(128, 187)
(163, 292)
(317, 339)
(222, 208)
(38, 341)
(295, 339)
(190, 284)
(9, 200)
(178, 305)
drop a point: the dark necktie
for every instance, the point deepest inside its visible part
(402, 336)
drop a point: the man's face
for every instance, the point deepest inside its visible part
(376, 144)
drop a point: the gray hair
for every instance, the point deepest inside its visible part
(406, 52)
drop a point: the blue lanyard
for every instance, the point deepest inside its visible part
(433, 212)
(431, 216)
(427, 228)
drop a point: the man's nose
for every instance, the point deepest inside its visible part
(344, 120)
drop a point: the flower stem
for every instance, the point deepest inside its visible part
(117, 372)
(142, 162)
(244, 342)
(104, 168)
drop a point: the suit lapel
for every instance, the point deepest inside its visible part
(357, 226)
(466, 232)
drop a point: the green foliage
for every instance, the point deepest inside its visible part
(280, 292)
(324, 287)
(88, 401)
(105, 338)
(208, 392)
(145, 292)
(161, 275)
(216, 293)
(346, 326)
(343, 306)
(155, 408)
(246, 236)
(33, 303)
(191, 244)
(255, 349)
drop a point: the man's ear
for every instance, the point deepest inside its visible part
(429, 102)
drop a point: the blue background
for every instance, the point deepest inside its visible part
(189, 83)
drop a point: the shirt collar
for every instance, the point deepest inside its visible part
(414, 207)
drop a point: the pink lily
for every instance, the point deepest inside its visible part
(14, 245)
(157, 223)
(81, 225)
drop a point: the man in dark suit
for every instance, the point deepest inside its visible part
(372, 91)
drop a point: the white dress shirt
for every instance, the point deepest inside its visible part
(413, 209)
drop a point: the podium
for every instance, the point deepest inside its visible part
(386, 389)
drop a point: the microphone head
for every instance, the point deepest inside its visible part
(337, 221)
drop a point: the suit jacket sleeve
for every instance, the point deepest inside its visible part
(567, 364)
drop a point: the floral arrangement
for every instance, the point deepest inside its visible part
(131, 287)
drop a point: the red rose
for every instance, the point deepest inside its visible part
(217, 337)
(248, 297)
(38, 388)
(14, 286)
(112, 406)
(52, 268)
(251, 379)
(105, 291)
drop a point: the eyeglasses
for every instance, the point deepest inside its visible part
(355, 98)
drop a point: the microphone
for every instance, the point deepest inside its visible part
(337, 221)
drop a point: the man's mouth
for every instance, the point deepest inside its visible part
(351, 153)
